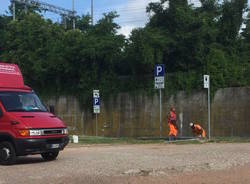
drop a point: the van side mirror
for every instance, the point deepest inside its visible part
(52, 109)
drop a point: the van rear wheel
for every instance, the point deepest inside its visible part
(7, 153)
(49, 156)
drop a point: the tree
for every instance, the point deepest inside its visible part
(189, 40)
(29, 42)
(4, 20)
(246, 31)
(83, 23)
(181, 26)
(231, 20)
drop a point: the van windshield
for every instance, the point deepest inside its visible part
(21, 102)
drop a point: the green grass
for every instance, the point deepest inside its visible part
(123, 140)
(106, 140)
(188, 142)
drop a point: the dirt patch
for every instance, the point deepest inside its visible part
(163, 163)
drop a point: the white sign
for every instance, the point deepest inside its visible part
(159, 76)
(206, 81)
(159, 83)
(75, 139)
(97, 109)
(96, 101)
(96, 93)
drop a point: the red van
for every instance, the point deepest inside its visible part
(26, 126)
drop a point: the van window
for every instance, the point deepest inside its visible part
(21, 102)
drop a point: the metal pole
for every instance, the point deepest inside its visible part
(82, 119)
(14, 10)
(73, 9)
(92, 12)
(160, 116)
(209, 134)
(119, 124)
(181, 122)
(65, 21)
(26, 7)
(96, 129)
(74, 24)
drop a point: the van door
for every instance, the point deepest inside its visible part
(5, 123)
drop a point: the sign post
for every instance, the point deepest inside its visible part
(96, 106)
(159, 74)
(207, 86)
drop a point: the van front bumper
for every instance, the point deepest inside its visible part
(37, 146)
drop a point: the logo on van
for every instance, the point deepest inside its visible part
(7, 69)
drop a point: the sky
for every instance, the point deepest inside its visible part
(132, 12)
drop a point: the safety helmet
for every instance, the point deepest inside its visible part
(191, 124)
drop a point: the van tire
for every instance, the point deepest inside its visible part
(7, 153)
(49, 156)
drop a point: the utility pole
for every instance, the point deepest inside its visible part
(14, 10)
(92, 12)
(26, 8)
(65, 22)
(73, 10)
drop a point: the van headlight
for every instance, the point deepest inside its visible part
(35, 132)
(65, 131)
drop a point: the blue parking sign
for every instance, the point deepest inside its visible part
(159, 70)
(159, 76)
(96, 101)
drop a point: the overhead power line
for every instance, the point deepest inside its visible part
(47, 7)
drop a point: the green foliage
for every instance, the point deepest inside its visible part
(231, 20)
(190, 41)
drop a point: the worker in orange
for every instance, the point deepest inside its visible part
(198, 131)
(173, 128)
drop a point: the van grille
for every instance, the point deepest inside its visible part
(52, 132)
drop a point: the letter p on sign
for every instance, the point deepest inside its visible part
(159, 70)
(96, 101)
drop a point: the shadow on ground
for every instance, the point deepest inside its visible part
(29, 160)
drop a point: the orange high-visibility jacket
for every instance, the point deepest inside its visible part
(199, 131)
(173, 131)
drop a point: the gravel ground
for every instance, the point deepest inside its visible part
(155, 163)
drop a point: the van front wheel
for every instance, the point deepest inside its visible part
(7, 153)
(49, 156)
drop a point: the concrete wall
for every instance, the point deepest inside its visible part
(231, 112)
(138, 115)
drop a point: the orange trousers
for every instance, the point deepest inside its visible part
(172, 130)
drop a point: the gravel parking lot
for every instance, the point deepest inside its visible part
(154, 163)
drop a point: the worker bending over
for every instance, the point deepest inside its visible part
(198, 131)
